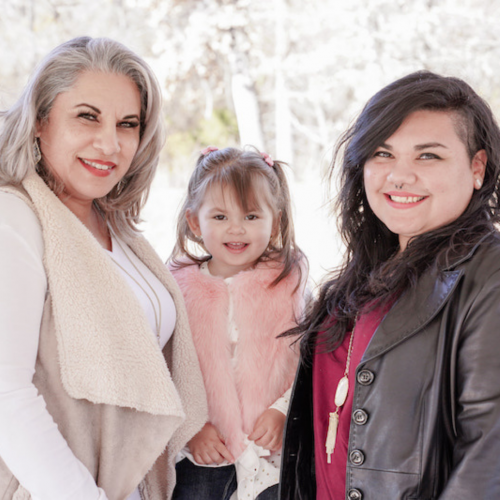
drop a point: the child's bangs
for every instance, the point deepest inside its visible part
(250, 187)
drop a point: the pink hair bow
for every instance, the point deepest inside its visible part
(209, 149)
(267, 158)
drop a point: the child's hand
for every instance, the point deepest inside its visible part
(208, 447)
(268, 430)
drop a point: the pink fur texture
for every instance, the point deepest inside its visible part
(238, 393)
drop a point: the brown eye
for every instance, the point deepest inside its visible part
(429, 156)
(382, 154)
(129, 124)
(88, 116)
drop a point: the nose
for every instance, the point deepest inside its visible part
(401, 172)
(106, 140)
(236, 227)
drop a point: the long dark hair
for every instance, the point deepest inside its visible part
(373, 271)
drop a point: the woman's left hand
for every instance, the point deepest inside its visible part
(268, 430)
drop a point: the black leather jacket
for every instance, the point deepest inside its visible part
(427, 395)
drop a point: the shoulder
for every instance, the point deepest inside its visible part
(182, 267)
(17, 217)
(486, 256)
(481, 271)
(268, 271)
(189, 276)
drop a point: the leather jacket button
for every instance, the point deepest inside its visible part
(354, 494)
(366, 377)
(360, 417)
(356, 457)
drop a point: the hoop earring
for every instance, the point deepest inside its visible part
(37, 154)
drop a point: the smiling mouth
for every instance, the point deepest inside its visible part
(98, 166)
(406, 199)
(236, 246)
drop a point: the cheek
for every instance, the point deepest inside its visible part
(130, 145)
(372, 177)
(371, 182)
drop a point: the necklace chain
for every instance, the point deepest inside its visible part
(157, 314)
(340, 398)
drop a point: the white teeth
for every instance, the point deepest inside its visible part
(236, 245)
(406, 199)
(99, 166)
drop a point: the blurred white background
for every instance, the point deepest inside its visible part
(285, 75)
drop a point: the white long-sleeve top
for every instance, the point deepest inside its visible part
(30, 442)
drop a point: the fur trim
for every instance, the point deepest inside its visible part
(139, 377)
(264, 366)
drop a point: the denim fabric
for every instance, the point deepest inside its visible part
(210, 483)
(204, 483)
(270, 494)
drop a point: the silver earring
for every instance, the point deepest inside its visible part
(37, 154)
(400, 186)
(478, 183)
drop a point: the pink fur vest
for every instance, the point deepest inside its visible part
(264, 366)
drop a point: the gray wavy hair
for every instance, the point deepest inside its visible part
(57, 73)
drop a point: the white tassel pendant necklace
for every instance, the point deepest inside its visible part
(340, 399)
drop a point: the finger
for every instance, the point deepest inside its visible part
(221, 448)
(207, 458)
(215, 457)
(198, 458)
(264, 440)
(275, 444)
(257, 433)
(278, 445)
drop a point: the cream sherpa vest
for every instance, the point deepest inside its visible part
(105, 381)
(265, 366)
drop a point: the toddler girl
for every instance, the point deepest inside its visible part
(244, 291)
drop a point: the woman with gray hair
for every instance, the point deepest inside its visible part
(99, 382)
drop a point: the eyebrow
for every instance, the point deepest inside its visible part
(428, 145)
(418, 147)
(98, 111)
(216, 209)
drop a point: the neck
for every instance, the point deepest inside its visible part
(88, 215)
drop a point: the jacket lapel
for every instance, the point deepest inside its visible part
(424, 302)
(109, 356)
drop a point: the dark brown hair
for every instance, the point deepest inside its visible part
(373, 271)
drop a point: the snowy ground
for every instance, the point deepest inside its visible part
(315, 229)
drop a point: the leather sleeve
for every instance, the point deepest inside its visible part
(476, 368)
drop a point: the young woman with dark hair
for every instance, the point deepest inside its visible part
(397, 395)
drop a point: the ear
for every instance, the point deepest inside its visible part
(193, 222)
(479, 167)
(38, 128)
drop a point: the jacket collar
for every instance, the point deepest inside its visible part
(82, 278)
(418, 306)
(412, 312)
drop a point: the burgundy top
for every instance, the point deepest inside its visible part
(328, 369)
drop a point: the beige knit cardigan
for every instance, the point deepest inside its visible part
(125, 407)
